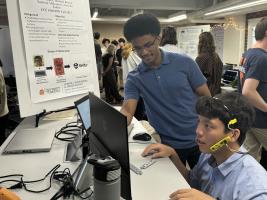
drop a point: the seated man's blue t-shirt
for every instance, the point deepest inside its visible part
(169, 95)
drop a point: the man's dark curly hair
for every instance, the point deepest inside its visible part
(139, 25)
(237, 107)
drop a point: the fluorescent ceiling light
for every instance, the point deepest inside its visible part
(240, 6)
(177, 17)
(95, 13)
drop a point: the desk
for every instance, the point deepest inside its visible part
(156, 182)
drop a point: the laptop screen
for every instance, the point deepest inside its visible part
(83, 108)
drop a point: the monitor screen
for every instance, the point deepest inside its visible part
(109, 136)
(230, 75)
(83, 108)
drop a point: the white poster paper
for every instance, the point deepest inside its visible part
(56, 38)
(188, 39)
(218, 35)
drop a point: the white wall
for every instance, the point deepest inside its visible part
(234, 41)
(110, 31)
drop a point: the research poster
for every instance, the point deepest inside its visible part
(56, 42)
(188, 39)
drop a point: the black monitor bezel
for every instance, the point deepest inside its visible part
(123, 137)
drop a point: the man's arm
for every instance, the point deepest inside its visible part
(203, 90)
(250, 91)
(162, 151)
(128, 109)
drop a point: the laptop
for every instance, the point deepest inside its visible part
(30, 141)
(229, 76)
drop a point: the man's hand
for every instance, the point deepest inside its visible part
(158, 151)
(190, 194)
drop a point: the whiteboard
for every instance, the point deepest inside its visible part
(27, 107)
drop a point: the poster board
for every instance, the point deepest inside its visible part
(29, 105)
(188, 39)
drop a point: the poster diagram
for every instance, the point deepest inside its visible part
(56, 39)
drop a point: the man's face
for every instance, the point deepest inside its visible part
(209, 132)
(147, 48)
(38, 61)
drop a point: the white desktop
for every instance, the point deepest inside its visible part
(156, 182)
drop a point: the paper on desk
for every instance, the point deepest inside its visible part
(66, 114)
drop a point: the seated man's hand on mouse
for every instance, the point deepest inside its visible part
(158, 151)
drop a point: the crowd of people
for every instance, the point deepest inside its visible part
(218, 135)
(214, 139)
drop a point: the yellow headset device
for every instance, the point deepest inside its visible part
(220, 144)
(225, 140)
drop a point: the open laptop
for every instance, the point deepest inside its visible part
(30, 141)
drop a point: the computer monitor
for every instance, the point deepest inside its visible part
(83, 107)
(229, 76)
(109, 136)
(73, 149)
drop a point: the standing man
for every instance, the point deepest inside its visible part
(254, 73)
(98, 56)
(169, 85)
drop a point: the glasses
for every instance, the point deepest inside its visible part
(233, 120)
(145, 47)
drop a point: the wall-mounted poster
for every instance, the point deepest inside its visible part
(188, 38)
(56, 40)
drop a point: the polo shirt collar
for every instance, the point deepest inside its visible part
(165, 61)
(228, 165)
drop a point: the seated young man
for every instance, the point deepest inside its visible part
(224, 171)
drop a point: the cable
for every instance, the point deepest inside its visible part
(22, 184)
(71, 130)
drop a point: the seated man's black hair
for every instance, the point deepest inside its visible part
(142, 24)
(237, 107)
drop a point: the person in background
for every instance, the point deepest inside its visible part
(105, 43)
(119, 59)
(109, 82)
(3, 106)
(116, 62)
(209, 62)
(253, 81)
(225, 170)
(169, 84)
(119, 50)
(169, 40)
(130, 60)
(98, 55)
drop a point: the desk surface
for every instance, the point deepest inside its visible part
(156, 182)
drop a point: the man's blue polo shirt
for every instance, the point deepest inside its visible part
(169, 97)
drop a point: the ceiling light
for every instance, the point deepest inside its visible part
(236, 7)
(95, 13)
(177, 17)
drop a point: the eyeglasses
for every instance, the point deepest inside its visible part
(233, 120)
(146, 46)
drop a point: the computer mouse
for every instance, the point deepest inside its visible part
(142, 137)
